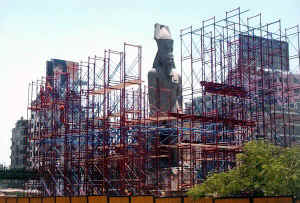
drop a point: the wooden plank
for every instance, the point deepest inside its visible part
(62, 200)
(233, 200)
(168, 200)
(35, 200)
(49, 200)
(81, 199)
(97, 199)
(11, 200)
(200, 200)
(119, 199)
(23, 200)
(142, 199)
(208, 146)
(273, 200)
(117, 87)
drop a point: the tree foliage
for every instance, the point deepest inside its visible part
(262, 169)
(18, 174)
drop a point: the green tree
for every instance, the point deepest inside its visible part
(262, 169)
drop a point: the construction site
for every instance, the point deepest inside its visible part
(97, 127)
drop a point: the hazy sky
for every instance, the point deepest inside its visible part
(33, 31)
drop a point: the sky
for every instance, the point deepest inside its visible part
(34, 31)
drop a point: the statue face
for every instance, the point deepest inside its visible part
(165, 53)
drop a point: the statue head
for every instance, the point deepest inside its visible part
(164, 60)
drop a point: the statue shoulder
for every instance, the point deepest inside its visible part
(152, 71)
(175, 74)
(176, 78)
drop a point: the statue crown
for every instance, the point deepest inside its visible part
(161, 32)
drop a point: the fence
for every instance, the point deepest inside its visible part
(144, 199)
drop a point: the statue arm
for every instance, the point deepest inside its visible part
(156, 62)
(151, 90)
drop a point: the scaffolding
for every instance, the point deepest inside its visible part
(91, 132)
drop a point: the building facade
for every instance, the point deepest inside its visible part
(19, 144)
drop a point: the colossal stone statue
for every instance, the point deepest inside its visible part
(165, 92)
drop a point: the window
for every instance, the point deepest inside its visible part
(298, 106)
(297, 81)
(297, 91)
(259, 83)
(208, 98)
